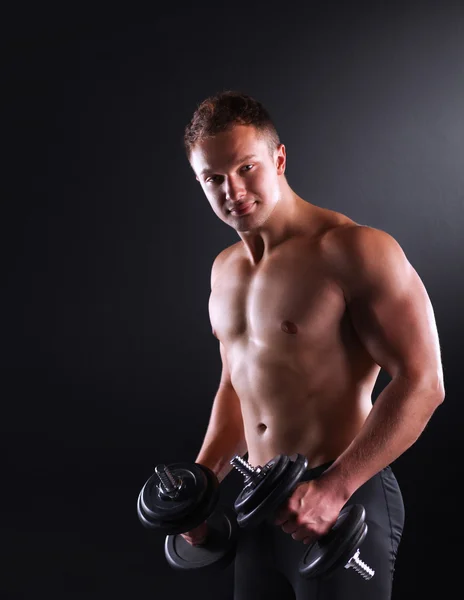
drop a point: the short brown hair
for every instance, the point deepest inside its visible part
(224, 110)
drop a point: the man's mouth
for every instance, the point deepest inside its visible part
(243, 210)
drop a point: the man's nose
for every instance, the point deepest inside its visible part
(235, 190)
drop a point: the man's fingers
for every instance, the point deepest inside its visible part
(308, 540)
(281, 518)
(195, 542)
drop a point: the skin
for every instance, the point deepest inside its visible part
(307, 307)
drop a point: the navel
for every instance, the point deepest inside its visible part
(261, 428)
(289, 327)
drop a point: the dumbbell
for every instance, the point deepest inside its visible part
(178, 498)
(266, 488)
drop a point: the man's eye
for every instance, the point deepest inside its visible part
(211, 179)
(247, 167)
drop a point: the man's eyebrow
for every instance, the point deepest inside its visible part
(237, 162)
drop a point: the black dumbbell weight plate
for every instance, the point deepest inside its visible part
(335, 549)
(195, 501)
(276, 496)
(348, 552)
(253, 494)
(218, 551)
(350, 544)
(204, 509)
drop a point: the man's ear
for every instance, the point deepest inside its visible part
(281, 160)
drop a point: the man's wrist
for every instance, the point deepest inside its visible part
(337, 482)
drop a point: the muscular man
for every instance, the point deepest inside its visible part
(308, 307)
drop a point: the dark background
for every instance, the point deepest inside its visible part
(109, 364)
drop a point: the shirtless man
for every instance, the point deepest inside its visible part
(307, 308)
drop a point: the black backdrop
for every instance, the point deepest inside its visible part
(109, 365)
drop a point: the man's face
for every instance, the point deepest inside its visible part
(239, 176)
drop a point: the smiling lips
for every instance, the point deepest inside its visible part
(243, 210)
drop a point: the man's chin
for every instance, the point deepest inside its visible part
(249, 227)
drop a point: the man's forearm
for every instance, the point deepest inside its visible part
(397, 419)
(225, 435)
(219, 447)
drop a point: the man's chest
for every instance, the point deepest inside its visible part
(287, 296)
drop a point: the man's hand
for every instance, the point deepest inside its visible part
(197, 536)
(309, 513)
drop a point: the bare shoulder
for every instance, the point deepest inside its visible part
(360, 255)
(222, 258)
(357, 240)
(323, 223)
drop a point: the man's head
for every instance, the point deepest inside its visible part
(223, 111)
(235, 152)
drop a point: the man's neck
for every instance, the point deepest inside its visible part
(284, 222)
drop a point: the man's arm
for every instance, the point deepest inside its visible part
(225, 435)
(393, 317)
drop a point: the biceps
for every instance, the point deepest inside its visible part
(398, 329)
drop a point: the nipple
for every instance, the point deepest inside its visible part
(289, 327)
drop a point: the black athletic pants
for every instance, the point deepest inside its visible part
(266, 564)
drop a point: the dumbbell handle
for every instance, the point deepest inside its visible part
(244, 467)
(254, 473)
(170, 485)
(360, 566)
